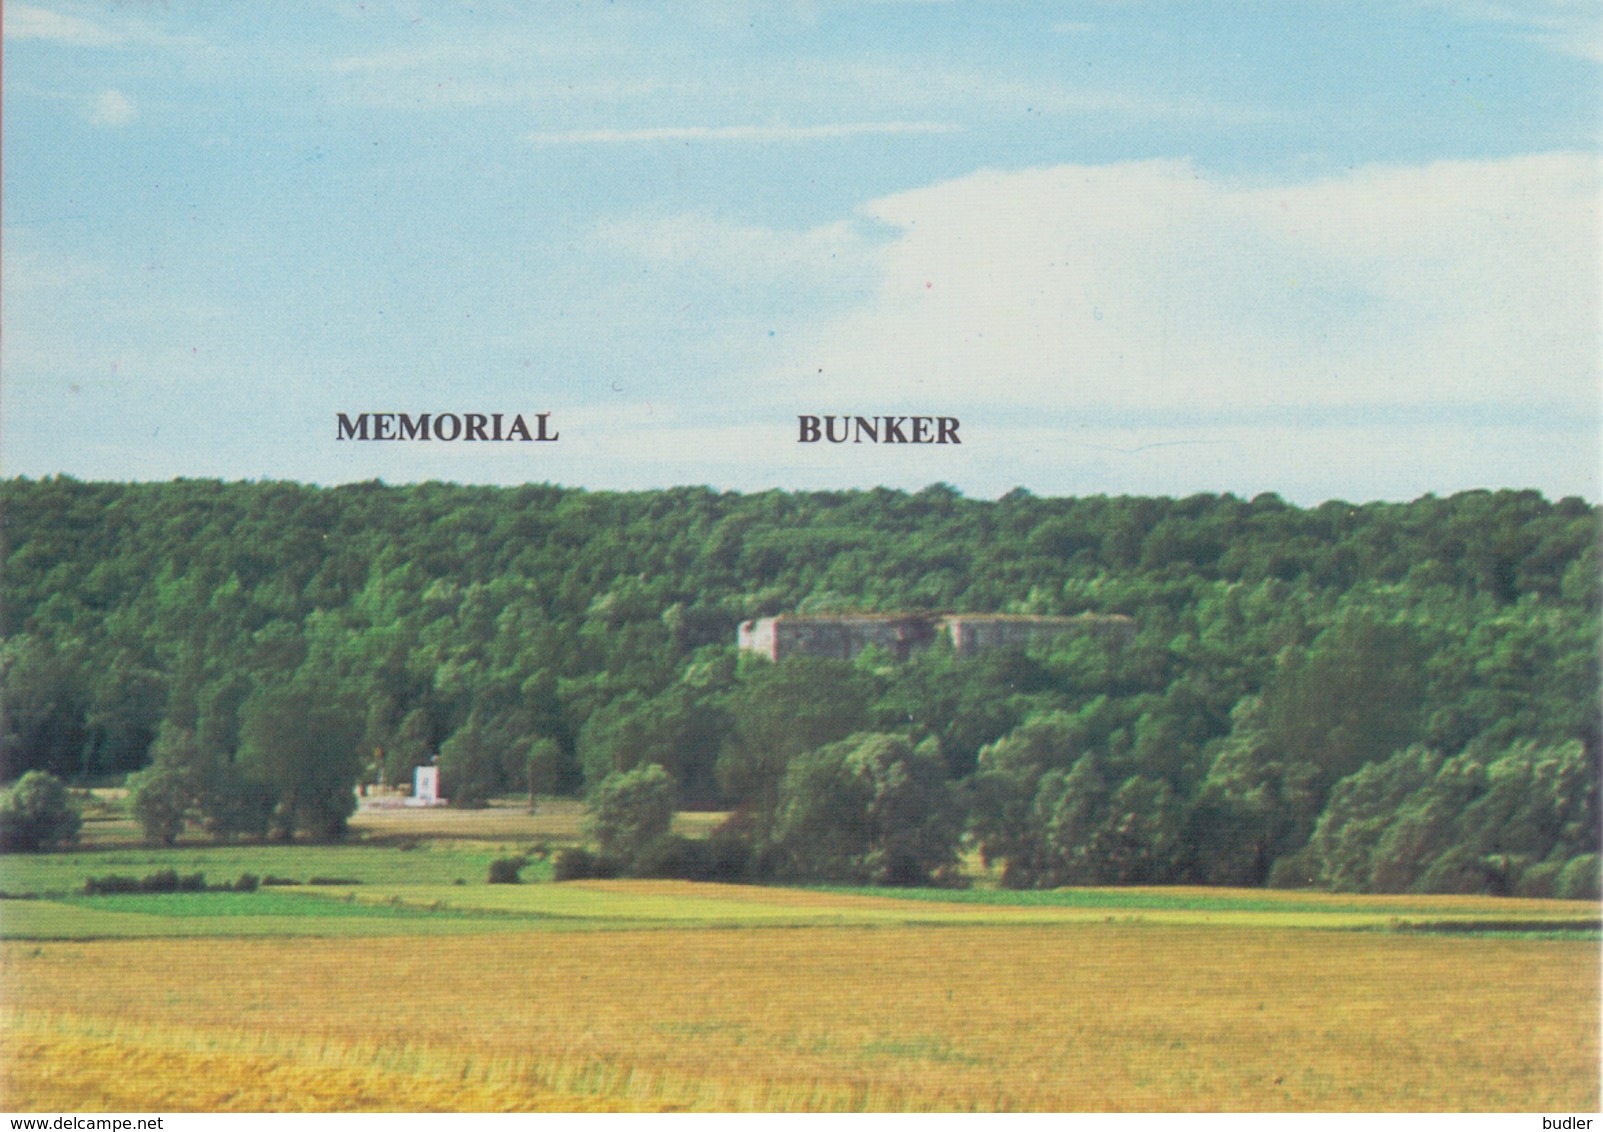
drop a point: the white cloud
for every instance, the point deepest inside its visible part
(1143, 326)
(765, 133)
(27, 22)
(112, 108)
(1151, 287)
(828, 254)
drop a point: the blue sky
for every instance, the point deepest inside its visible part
(1330, 250)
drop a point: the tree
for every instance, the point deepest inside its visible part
(409, 747)
(174, 786)
(781, 711)
(189, 781)
(41, 708)
(161, 797)
(872, 809)
(1069, 809)
(964, 704)
(543, 766)
(122, 716)
(308, 753)
(1255, 806)
(1004, 815)
(1471, 823)
(1280, 651)
(1136, 839)
(680, 729)
(1354, 697)
(629, 814)
(470, 766)
(35, 814)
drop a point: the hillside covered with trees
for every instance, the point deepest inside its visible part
(1376, 697)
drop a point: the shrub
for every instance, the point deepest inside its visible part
(35, 814)
(163, 880)
(110, 885)
(721, 857)
(247, 882)
(505, 870)
(1461, 871)
(581, 864)
(573, 864)
(673, 856)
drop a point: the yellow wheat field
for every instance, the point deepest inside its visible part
(1072, 1017)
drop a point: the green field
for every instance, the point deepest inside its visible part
(429, 862)
(439, 886)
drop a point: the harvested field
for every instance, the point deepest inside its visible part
(1099, 1016)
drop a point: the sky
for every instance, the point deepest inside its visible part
(1327, 250)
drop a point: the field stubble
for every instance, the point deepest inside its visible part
(1062, 1017)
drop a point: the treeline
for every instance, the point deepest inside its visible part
(1369, 697)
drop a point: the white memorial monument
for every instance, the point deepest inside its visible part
(426, 787)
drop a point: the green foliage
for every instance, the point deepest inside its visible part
(1010, 774)
(870, 809)
(1515, 821)
(962, 705)
(1076, 827)
(161, 797)
(578, 863)
(1580, 879)
(126, 699)
(506, 870)
(1279, 651)
(1256, 804)
(780, 712)
(679, 729)
(178, 785)
(43, 703)
(306, 752)
(406, 745)
(36, 814)
(629, 813)
(1354, 697)
(542, 766)
(1138, 834)
(470, 765)
(164, 880)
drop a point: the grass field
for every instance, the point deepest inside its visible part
(403, 990)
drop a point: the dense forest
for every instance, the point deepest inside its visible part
(1374, 697)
